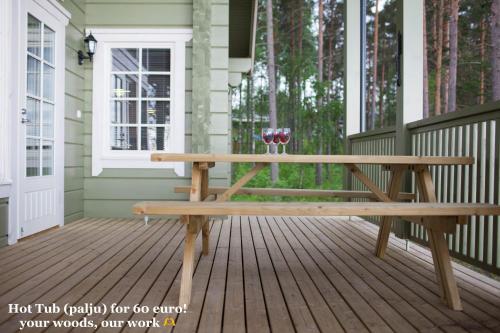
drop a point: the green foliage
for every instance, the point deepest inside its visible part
(296, 176)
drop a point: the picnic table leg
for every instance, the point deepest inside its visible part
(192, 229)
(205, 229)
(438, 246)
(385, 225)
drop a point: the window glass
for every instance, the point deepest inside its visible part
(153, 80)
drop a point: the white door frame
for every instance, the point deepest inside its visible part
(51, 11)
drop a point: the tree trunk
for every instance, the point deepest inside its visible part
(446, 55)
(495, 50)
(271, 73)
(439, 57)
(375, 69)
(319, 123)
(381, 96)
(240, 129)
(482, 77)
(452, 88)
(426, 68)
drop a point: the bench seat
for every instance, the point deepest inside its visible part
(213, 208)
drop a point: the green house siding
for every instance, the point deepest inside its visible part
(114, 191)
(75, 78)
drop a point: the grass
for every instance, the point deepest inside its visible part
(297, 176)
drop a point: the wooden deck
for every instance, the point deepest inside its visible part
(262, 274)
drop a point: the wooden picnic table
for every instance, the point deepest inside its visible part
(436, 217)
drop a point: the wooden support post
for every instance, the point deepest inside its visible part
(192, 229)
(205, 226)
(438, 245)
(384, 231)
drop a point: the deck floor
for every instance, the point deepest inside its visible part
(262, 274)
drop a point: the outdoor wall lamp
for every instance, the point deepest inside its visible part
(90, 47)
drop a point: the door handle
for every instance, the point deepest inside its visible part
(24, 117)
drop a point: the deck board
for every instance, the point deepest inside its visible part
(263, 274)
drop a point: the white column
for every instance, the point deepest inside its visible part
(410, 93)
(5, 109)
(352, 67)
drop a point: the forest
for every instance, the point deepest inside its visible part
(297, 80)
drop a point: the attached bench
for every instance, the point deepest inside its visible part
(438, 218)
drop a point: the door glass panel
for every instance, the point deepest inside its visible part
(33, 117)
(123, 112)
(48, 82)
(32, 157)
(48, 120)
(34, 35)
(49, 41)
(33, 77)
(123, 138)
(47, 158)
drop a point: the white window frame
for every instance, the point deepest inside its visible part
(174, 39)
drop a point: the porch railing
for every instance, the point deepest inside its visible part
(473, 132)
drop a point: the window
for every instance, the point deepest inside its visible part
(138, 97)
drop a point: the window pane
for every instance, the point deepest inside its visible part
(49, 37)
(155, 112)
(47, 158)
(48, 120)
(155, 86)
(123, 138)
(33, 77)
(123, 85)
(154, 138)
(156, 60)
(48, 82)
(125, 60)
(34, 35)
(33, 116)
(32, 157)
(123, 112)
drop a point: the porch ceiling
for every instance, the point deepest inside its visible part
(241, 28)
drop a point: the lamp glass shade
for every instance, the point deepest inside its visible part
(90, 44)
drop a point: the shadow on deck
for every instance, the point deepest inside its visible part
(262, 274)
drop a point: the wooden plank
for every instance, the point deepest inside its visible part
(118, 282)
(403, 196)
(255, 306)
(234, 299)
(372, 310)
(344, 301)
(280, 318)
(404, 279)
(314, 209)
(420, 278)
(291, 158)
(241, 182)
(73, 288)
(381, 195)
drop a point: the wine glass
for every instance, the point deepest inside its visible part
(267, 137)
(284, 136)
(276, 139)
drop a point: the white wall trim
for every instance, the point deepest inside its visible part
(102, 156)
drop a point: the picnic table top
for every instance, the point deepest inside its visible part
(329, 159)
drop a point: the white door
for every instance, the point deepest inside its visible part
(41, 134)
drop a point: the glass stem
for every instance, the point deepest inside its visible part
(284, 149)
(267, 146)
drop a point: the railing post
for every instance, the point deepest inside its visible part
(409, 96)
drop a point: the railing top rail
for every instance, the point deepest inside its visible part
(375, 132)
(481, 112)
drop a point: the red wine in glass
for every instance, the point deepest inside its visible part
(276, 137)
(267, 137)
(284, 136)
